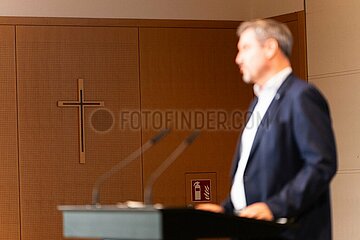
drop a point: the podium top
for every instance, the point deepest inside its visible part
(112, 208)
(119, 222)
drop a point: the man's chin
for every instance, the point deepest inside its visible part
(247, 80)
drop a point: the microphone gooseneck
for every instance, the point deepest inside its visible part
(125, 162)
(168, 161)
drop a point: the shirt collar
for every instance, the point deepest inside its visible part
(274, 83)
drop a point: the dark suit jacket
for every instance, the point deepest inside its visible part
(292, 161)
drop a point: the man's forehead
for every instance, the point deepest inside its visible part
(247, 36)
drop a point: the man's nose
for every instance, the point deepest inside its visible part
(238, 60)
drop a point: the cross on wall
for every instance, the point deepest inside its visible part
(81, 104)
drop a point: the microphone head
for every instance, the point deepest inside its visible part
(160, 136)
(191, 138)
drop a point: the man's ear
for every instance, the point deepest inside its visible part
(272, 46)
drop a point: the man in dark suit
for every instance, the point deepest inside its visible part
(286, 156)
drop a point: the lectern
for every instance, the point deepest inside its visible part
(112, 222)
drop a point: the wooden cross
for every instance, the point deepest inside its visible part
(81, 104)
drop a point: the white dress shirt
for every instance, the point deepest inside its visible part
(265, 95)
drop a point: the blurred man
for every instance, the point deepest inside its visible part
(286, 156)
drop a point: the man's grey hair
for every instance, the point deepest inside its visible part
(268, 28)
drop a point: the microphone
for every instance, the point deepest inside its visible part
(124, 163)
(168, 161)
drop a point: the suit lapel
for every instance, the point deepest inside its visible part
(251, 108)
(270, 114)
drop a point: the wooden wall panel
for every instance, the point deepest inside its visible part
(50, 60)
(9, 185)
(190, 70)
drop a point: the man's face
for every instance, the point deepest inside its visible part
(251, 57)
